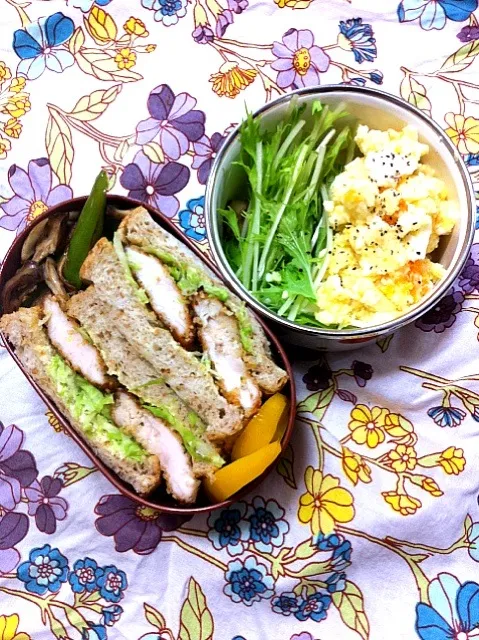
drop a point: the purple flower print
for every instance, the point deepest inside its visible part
(237, 6)
(203, 35)
(318, 377)
(305, 635)
(174, 122)
(13, 528)
(155, 184)
(443, 315)
(299, 61)
(468, 33)
(205, 150)
(33, 194)
(469, 278)
(44, 503)
(133, 526)
(362, 372)
(223, 22)
(17, 467)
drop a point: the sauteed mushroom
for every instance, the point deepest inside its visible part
(21, 286)
(53, 280)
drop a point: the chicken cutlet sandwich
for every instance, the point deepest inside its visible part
(153, 361)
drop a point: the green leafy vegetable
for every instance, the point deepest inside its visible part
(198, 447)
(90, 407)
(279, 245)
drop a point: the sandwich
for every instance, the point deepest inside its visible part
(155, 364)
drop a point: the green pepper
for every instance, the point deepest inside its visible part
(87, 231)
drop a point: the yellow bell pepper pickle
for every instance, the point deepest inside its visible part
(234, 476)
(263, 427)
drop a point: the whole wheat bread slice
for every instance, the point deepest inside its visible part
(24, 330)
(139, 228)
(180, 369)
(123, 361)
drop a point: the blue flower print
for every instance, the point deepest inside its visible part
(225, 528)
(286, 603)
(358, 38)
(192, 219)
(167, 12)
(446, 416)
(112, 582)
(453, 610)
(341, 548)
(86, 5)
(336, 582)
(248, 581)
(45, 570)
(84, 575)
(38, 46)
(376, 76)
(111, 614)
(267, 526)
(94, 632)
(314, 607)
(433, 14)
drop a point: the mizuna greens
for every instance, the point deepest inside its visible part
(279, 245)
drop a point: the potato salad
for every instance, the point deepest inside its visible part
(387, 211)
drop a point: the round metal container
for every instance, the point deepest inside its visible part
(377, 110)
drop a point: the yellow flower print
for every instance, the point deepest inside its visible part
(231, 79)
(325, 503)
(17, 105)
(293, 4)
(100, 25)
(367, 425)
(8, 628)
(13, 128)
(125, 59)
(53, 421)
(17, 84)
(5, 146)
(399, 428)
(428, 484)
(5, 73)
(354, 467)
(402, 458)
(401, 502)
(452, 461)
(150, 48)
(464, 132)
(135, 27)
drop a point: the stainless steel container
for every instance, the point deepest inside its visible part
(378, 110)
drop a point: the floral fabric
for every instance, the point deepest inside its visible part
(368, 528)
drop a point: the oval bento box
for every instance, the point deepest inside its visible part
(172, 513)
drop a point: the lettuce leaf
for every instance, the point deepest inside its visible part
(198, 448)
(90, 408)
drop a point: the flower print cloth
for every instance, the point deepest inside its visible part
(368, 527)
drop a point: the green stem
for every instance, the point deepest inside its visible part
(421, 579)
(244, 45)
(196, 552)
(459, 544)
(192, 532)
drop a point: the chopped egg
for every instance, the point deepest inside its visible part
(387, 212)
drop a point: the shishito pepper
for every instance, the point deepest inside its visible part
(87, 231)
(234, 476)
(267, 425)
